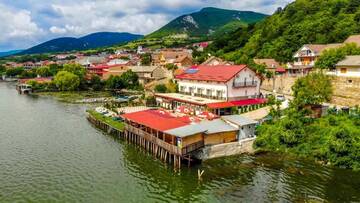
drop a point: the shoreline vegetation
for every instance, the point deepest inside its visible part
(75, 96)
(108, 120)
(333, 139)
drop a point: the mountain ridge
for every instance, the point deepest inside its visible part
(90, 41)
(205, 22)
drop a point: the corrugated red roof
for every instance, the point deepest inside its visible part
(220, 73)
(239, 103)
(280, 70)
(157, 119)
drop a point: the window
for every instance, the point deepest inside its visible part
(349, 81)
(343, 70)
(208, 92)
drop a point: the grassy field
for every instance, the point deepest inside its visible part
(115, 124)
(73, 97)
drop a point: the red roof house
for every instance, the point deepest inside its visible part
(220, 73)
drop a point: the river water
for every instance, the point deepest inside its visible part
(50, 153)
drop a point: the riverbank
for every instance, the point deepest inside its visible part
(331, 140)
(118, 125)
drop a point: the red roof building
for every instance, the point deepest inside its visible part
(157, 119)
(220, 73)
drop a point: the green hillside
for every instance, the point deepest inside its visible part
(280, 35)
(206, 22)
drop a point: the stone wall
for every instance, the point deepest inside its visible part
(228, 149)
(346, 89)
(281, 83)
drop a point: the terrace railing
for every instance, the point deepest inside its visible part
(245, 84)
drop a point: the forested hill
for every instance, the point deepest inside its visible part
(207, 21)
(283, 33)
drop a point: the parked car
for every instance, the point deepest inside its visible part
(280, 98)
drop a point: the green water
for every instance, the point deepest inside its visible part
(50, 153)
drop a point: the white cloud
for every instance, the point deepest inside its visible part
(17, 25)
(57, 30)
(32, 22)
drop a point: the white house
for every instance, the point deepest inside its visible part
(349, 67)
(214, 88)
(224, 82)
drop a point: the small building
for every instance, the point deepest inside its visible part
(353, 39)
(114, 70)
(179, 137)
(178, 57)
(215, 61)
(147, 74)
(271, 65)
(349, 67)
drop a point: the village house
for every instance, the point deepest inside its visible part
(148, 74)
(200, 46)
(214, 88)
(271, 65)
(215, 61)
(353, 39)
(114, 70)
(349, 67)
(306, 56)
(178, 57)
(88, 61)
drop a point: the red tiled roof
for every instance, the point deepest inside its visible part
(157, 119)
(280, 70)
(246, 102)
(220, 73)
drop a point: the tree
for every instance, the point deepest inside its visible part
(28, 74)
(12, 72)
(2, 69)
(76, 69)
(66, 81)
(130, 79)
(43, 71)
(312, 89)
(171, 66)
(114, 82)
(96, 83)
(146, 59)
(331, 57)
(54, 68)
(161, 88)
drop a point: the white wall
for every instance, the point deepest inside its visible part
(350, 72)
(214, 86)
(244, 91)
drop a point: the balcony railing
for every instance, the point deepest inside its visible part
(168, 147)
(245, 84)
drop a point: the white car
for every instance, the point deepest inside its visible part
(280, 98)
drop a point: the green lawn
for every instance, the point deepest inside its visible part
(115, 124)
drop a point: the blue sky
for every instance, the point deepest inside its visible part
(24, 23)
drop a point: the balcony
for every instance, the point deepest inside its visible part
(245, 84)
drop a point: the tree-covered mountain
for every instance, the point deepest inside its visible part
(91, 41)
(283, 33)
(207, 21)
(9, 53)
